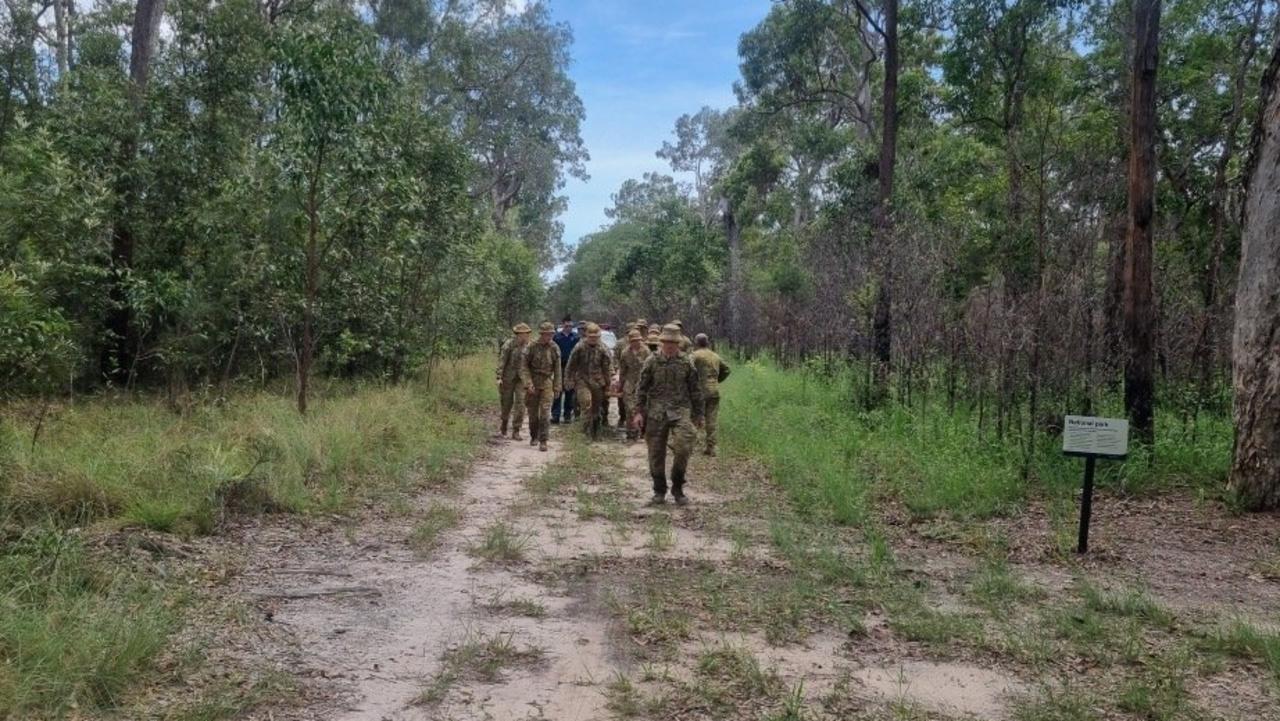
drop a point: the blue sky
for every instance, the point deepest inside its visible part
(638, 65)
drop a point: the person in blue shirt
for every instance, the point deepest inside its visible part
(566, 404)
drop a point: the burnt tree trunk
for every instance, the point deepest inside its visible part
(1139, 306)
(1255, 469)
(882, 325)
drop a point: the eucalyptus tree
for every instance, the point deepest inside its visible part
(1255, 471)
(330, 80)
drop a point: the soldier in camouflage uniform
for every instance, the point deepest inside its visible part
(624, 418)
(510, 387)
(652, 340)
(590, 368)
(630, 363)
(686, 345)
(540, 373)
(712, 370)
(669, 404)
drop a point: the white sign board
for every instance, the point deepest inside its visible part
(1089, 436)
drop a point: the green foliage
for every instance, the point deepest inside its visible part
(255, 130)
(73, 634)
(36, 348)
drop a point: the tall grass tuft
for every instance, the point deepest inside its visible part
(73, 633)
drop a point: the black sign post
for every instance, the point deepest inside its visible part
(1093, 438)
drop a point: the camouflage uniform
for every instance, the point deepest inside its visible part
(686, 345)
(623, 415)
(671, 396)
(590, 367)
(630, 363)
(510, 387)
(712, 370)
(540, 373)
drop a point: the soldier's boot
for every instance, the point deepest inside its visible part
(515, 435)
(659, 490)
(677, 488)
(503, 430)
(542, 446)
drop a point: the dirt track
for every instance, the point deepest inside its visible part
(374, 630)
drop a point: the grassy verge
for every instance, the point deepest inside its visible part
(832, 457)
(79, 625)
(140, 464)
(858, 486)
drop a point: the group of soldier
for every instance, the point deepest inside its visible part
(666, 385)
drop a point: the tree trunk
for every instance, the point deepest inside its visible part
(882, 329)
(63, 35)
(1204, 347)
(733, 299)
(117, 359)
(1255, 470)
(1139, 307)
(311, 282)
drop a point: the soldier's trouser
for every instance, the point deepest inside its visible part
(681, 436)
(711, 414)
(512, 397)
(622, 412)
(539, 407)
(596, 411)
(565, 405)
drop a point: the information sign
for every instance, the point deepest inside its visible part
(1089, 436)
(1093, 438)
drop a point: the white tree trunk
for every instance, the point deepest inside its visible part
(1255, 471)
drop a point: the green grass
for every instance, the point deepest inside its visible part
(437, 519)
(834, 459)
(1241, 639)
(80, 624)
(74, 633)
(502, 543)
(479, 658)
(140, 463)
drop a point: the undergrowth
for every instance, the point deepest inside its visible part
(833, 457)
(81, 625)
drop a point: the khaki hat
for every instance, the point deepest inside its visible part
(653, 332)
(521, 328)
(546, 327)
(593, 329)
(678, 323)
(642, 321)
(671, 333)
(635, 335)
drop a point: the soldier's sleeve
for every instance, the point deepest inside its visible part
(724, 371)
(525, 376)
(503, 355)
(557, 382)
(645, 384)
(693, 380)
